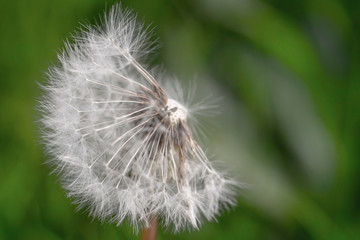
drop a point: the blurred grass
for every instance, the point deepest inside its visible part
(289, 73)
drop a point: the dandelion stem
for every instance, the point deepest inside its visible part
(149, 233)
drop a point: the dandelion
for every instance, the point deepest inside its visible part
(120, 143)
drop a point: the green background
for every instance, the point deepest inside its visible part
(288, 73)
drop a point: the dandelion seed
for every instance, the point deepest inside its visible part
(121, 144)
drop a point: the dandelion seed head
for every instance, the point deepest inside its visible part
(121, 147)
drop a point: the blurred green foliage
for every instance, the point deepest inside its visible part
(289, 72)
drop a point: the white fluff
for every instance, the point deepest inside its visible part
(122, 148)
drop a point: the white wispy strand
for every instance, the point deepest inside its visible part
(119, 142)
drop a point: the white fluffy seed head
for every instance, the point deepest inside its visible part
(121, 147)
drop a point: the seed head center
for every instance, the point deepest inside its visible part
(177, 112)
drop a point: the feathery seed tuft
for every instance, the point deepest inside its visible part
(122, 148)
